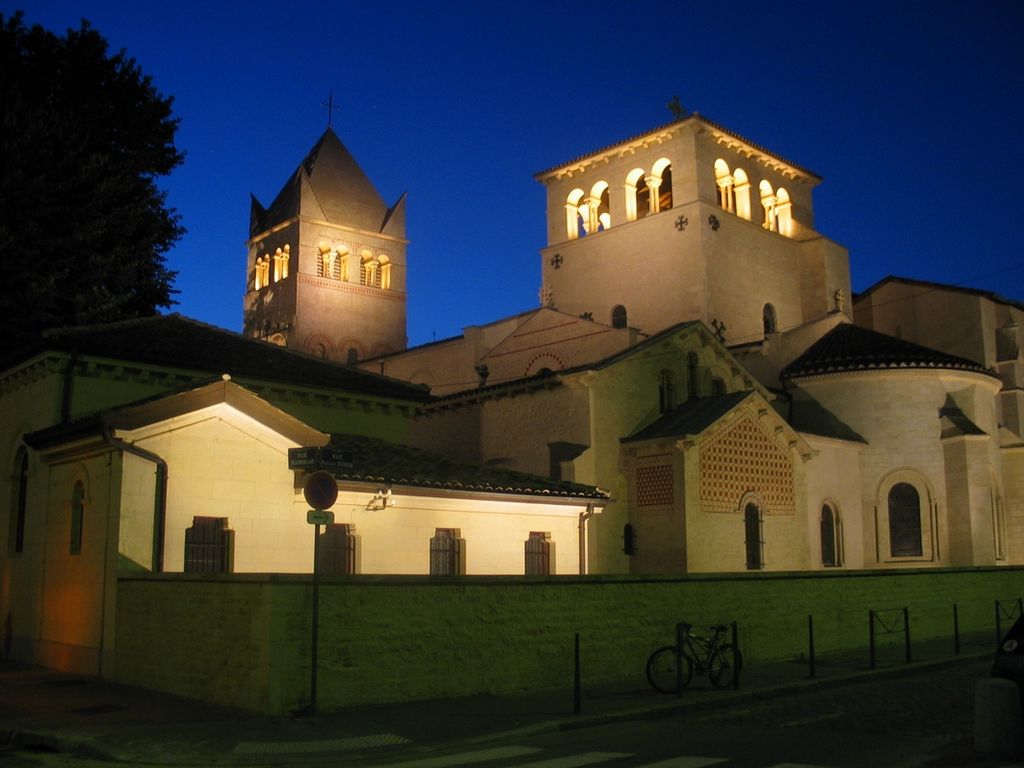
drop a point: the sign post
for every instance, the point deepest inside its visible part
(321, 491)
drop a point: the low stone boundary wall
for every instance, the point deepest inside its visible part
(244, 639)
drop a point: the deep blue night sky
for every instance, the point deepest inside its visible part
(910, 111)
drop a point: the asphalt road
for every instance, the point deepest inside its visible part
(921, 720)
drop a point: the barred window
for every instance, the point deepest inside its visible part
(337, 550)
(538, 554)
(209, 545)
(831, 538)
(446, 553)
(19, 502)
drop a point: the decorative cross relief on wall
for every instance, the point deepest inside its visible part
(681, 222)
(556, 261)
(719, 327)
(714, 222)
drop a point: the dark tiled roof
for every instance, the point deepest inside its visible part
(694, 116)
(341, 188)
(378, 461)
(690, 418)
(927, 286)
(175, 341)
(853, 348)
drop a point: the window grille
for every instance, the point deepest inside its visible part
(208, 545)
(337, 550)
(538, 554)
(20, 501)
(445, 552)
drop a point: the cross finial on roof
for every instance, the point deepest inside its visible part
(329, 104)
(677, 110)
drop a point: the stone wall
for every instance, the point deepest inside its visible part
(245, 640)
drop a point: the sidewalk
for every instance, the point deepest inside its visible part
(94, 718)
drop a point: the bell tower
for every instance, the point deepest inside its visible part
(326, 270)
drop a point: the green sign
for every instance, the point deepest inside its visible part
(319, 517)
(332, 458)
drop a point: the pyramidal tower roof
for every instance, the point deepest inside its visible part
(328, 185)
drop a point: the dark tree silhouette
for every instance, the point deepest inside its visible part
(83, 226)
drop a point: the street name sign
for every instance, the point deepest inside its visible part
(319, 517)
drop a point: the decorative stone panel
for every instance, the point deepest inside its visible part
(654, 485)
(741, 458)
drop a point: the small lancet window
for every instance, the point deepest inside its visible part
(661, 185)
(19, 502)
(635, 188)
(385, 272)
(337, 550)
(770, 322)
(753, 529)
(831, 538)
(447, 557)
(619, 318)
(691, 374)
(574, 213)
(666, 392)
(77, 513)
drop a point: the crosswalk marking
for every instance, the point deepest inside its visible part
(685, 761)
(467, 758)
(574, 761)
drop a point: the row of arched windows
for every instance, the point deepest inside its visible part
(733, 187)
(363, 268)
(269, 269)
(644, 192)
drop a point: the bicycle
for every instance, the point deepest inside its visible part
(721, 661)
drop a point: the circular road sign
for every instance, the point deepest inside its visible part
(321, 490)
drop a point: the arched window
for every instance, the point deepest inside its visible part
(752, 527)
(385, 272)
(599, 204)
(724, 186)
(666, 392)
(904, 521)
(209, 546)
(637, 195)
(369, 266)
(691, 374)
(343, 262)
(328, 258)
(768, 204)
(717, 387)
(831, 538)
(19, 502)
(783, 213)
(258, 276)
(538, 554)
(77, 513)
(741, 192)
(770, 322)
(661, 185)
(574, 215)
(352, 356)
(619, 316)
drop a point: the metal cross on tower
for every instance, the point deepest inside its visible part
(329, 105)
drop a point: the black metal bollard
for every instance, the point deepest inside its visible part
(577, 704)
(956, 631)
(906, 630)
(810, 646)
(871, 639)
(736, 657)
(681, 631)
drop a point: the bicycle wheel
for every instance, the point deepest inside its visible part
(661, 669)
(724, 665)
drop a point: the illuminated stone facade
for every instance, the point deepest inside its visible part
(326, 270)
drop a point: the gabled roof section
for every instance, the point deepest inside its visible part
(551, 379)
(930, 287)
(329, 184)
(641, 138)
(378, 461)
(152, 410)
(690, 418)
(850, 347)
(174, 341)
